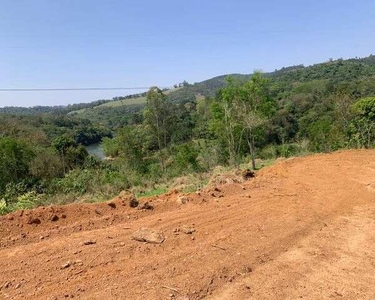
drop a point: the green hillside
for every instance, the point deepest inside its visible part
(131, 100)
(112, 104)
(183, 132)
(356, 71)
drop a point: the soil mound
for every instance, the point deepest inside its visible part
(302, 228)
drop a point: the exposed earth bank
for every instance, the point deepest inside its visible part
(303, 228)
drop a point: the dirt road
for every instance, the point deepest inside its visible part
(302, 229)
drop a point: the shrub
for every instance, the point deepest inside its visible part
(15, 157)
(185, 158)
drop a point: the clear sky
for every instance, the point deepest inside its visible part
(109, 43)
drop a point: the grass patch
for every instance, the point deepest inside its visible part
(119, 103)
(151, 193)
(124, 102)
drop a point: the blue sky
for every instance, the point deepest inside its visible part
(104, 43)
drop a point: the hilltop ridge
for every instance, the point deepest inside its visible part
(333, 70)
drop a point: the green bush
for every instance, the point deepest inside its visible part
(286, 150)
(27, 200)
(103, 181)
(4, 208)
(15, 157)
(269, 152)
(185, 159)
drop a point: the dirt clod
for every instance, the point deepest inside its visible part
(127, 198)
(54, 218)
(247, 174)
(187, 229)
(182, 199)
(89, 242)
(33, 220)
(65, 265)
(303, 232)
(147, 206)
(149, 236)
(112, 205)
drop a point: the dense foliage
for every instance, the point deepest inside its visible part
(227, 120)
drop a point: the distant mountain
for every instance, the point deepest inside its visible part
(58, 109)
(335, 71)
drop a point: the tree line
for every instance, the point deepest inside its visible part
(244, 121)
(295, 111)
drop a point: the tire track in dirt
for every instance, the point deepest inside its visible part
(252, 243)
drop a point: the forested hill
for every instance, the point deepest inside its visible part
(335, 70)
(116, 112)
(58, 109)
(155, 137)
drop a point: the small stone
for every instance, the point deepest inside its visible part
(183, 200)
(147, 206)
(78, 262)
(149, 236)
(66, 265)
(89, 242)
(54, 218)
(187, 229)
(248, 269)
(112, 205)
(33, 220)
(247, 174)
(128, 198)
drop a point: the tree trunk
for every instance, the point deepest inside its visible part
(63, 162)
(250, 141)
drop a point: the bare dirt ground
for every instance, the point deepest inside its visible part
(303, 228)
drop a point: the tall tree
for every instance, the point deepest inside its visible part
(255, 107)
(157, 118)
(15, 157)
(225, 122)
(71, 153)
(364, 121)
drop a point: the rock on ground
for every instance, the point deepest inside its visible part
(148, 235)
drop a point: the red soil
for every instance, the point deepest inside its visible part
(303, 228)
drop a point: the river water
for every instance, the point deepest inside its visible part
(96, 150)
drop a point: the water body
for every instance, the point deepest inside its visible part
(96, 150)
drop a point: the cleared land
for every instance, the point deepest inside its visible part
(303, 228)
(123, 102)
